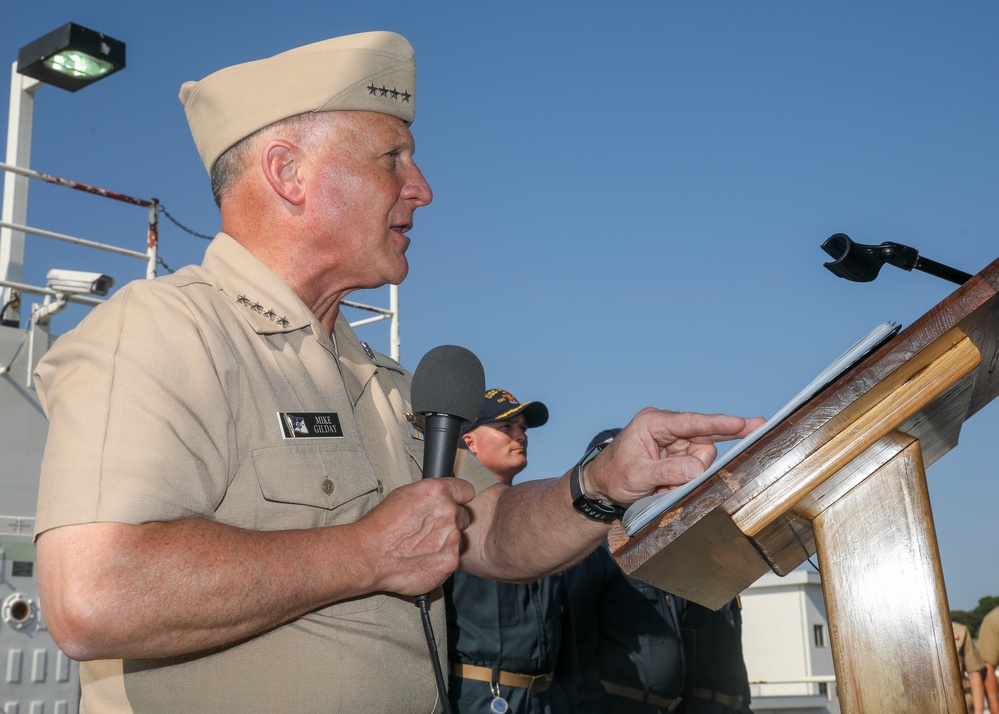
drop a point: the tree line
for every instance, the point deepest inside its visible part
(972, 619)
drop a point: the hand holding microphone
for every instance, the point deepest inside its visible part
(447, 390)
(416, 529)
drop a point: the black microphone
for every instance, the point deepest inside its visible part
(448, 388)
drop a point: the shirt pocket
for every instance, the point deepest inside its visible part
(313, 485)
(415, 451)
(316, 485)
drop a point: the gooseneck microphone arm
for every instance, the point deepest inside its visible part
(447, 390)
(861, 263)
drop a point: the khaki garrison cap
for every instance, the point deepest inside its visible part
(371, 71)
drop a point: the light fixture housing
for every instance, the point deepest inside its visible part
(71, 57)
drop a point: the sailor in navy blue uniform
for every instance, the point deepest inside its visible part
(503, 638)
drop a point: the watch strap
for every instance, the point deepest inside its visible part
(591, 507)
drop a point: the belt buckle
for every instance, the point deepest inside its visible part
(541, 682)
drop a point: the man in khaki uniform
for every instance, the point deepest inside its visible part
(972, 667)
(231, 516)
(988, 647)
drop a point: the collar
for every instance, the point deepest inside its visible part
(264, 300)
(358, 361)
(270, 306)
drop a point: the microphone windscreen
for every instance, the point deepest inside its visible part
(449, 380)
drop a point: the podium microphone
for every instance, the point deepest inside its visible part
(447, 391)
(862, 263)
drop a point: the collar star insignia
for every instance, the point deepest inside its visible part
(261, 310)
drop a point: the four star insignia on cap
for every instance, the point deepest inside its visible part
(393, 93)
(260, 309)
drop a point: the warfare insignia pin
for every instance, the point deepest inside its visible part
(417, 427)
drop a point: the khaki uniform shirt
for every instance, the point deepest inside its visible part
(968, 658)
(215, 393)
(988, 638)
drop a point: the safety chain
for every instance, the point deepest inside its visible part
(165, 212)
(161, 262)
(180, 225)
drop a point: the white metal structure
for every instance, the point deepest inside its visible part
(15, 188)
(34, 673)
(785, 642)
(391, 314)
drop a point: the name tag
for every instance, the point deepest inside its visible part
(310, 425)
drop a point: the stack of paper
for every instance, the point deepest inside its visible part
(648, 509)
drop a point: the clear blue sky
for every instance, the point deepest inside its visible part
(629, 196)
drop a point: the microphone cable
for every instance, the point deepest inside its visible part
(428, 629)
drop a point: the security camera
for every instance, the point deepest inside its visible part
(79, 282)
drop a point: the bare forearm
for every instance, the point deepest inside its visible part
(991, 688)
(534, 531)
(170, 588)
(977, 683)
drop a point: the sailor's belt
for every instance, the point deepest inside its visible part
(640, 695)
(530, 682)
(733, 702)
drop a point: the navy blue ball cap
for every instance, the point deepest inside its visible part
(500, 405)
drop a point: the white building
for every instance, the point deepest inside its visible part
(785, 639)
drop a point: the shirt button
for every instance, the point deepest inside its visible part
(327, 487)
(381, 488)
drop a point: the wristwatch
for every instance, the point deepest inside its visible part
(593, 508)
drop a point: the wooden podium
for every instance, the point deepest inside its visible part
(844, 476)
